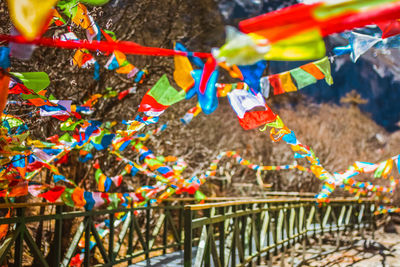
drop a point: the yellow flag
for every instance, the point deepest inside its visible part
(304, 46)
(287, 83)
(30, 16)
(182, 75)
(81, 17)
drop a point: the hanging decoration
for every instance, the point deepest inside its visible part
(293, 33)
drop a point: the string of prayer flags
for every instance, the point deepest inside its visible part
(319, 70)
(345, 179)
(282, 83)
(83, 58)
(103, 140)
(381, 209)
(150, 159)
(280, 132)
(104, 182)
(297, 36)
(303, 76)
(248, 164)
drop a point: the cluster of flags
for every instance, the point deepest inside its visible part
(293, 33)
(83, 58)
(303, 76)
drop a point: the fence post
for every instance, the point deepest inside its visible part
(222, 238)
(233, 247)
(86, 260)
(147, 252)
(181, 210)
(305, 233)
(187, 252)
(111, 239)
(268, 233)
(284, 228)
(274, 230)
(19, 241)
(242, 240)
(251, 234)
(257, 233)
(165, 233)
(373, 222)
(131, 231)
(207, 249)
(58, 235)
(321, 228)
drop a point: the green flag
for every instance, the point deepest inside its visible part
(164, 93)
(95, 2)
(69, 125)
(379, 170)
(36, 81)
(66, 197)
(302, 77)
(325, 67)
(199, 196)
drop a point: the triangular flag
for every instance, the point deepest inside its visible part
(325, 67)
(361, 43)
(182, 75)
(31, 17)
(389, 28)
(164, 93)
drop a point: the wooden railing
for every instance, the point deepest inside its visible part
(239, 233)
(226, 232)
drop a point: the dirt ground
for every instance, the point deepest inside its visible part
(359, 256)
(356, 250)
